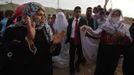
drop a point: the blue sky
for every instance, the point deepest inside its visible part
(125, 5)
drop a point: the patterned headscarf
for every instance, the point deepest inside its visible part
(31, 8)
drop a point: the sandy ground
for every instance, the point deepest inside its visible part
(84, 70)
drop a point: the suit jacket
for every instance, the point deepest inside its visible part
(92, 22)
(132, 30)
(82, 21)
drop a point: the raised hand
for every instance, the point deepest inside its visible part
(58, 37)
(30, 35)
(30, 29)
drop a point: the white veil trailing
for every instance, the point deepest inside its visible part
(61, 22)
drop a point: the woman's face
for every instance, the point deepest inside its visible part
(38, 18)
(116, 14)
(40, 15)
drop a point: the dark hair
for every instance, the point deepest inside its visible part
(95, 8)
(102, 13)
(89, 8)
(118, 11)
(1, 15)
(9, 13)
(99, 6)
(77, 7)
(54, 15)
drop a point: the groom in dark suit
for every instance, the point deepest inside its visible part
(73, 37)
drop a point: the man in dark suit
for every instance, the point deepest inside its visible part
(73, 37)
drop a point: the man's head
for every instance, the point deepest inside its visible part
(9, 13)
(77, 11)
(53, 18)
(89, 12)
(95, 10)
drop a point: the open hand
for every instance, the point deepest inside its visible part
(58, 37)
(30, 29)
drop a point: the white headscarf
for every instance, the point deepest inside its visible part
(114, 21)
(61, 22)
(113, 24)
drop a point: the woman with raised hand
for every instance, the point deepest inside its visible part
(38, 41)
(114, 41)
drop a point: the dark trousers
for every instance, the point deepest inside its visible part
(75, 51)
(128, 67)
(15, 69)
(108, 57)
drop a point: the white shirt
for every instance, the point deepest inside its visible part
(73, 27)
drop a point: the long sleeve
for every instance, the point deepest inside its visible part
(125, 30)
(94, 33)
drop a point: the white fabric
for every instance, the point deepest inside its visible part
(94, 33)
(64, 53)
(73, 27)
(100, 22)
(59, 62)
(112, 26)
(62, 60)
(89, 47)
(61, 22)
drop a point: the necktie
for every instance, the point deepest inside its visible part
(76, 32)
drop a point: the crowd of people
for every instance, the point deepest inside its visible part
(32, 44)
